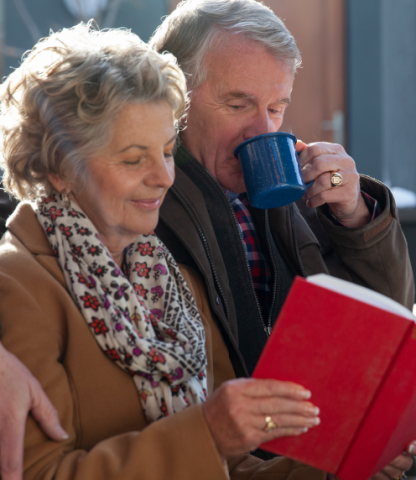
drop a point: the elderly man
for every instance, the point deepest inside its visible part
(240, 61)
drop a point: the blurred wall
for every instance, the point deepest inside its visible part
(23, 22)
(317, 111)
(382, 89)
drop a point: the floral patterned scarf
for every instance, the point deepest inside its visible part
(144, 319)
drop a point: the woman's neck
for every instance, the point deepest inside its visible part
(114, 240)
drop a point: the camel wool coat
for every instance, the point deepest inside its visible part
(97, 402)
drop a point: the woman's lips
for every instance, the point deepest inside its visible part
(148, 203)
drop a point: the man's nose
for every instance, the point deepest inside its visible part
(259, 125)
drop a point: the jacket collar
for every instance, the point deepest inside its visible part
(24, 225)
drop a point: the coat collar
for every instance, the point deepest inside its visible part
(24, 225)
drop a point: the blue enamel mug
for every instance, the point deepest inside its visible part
(271, 170)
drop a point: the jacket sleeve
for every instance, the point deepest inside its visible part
(376, 255)
(177, 447)
(248, 467)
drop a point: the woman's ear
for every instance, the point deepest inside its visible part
(58, 184)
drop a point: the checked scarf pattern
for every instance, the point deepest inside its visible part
(144, 319)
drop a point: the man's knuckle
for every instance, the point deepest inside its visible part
(314, 149)
(9, 465)
(338, 148)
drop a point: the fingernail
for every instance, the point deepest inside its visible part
(412, 449)
(304, 430)
(313, 422)
(63, 434)
(313, 410)
(306, 394)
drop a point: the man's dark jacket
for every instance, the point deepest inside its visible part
(199, 227)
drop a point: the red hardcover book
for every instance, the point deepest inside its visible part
(356, 351)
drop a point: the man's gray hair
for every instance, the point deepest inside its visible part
(191, 30)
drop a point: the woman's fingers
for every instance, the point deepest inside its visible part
(283, 421)
(275, 405)
(253, 387)
(236, 413)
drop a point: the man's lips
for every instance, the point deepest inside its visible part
(148, 203)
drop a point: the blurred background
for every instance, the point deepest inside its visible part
(357, 85)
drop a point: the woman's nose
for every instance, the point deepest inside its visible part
(259, 125)
(163, 171)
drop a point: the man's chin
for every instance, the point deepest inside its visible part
(233, 182)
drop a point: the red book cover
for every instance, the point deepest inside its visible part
(357, 360)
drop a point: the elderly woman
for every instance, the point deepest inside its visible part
(93, 303)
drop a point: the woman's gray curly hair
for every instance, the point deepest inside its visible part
(58, 107)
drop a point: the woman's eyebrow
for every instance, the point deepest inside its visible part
(143, 147)
(134, 145)
(172, 139)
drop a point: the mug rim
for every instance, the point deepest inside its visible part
(263, 135)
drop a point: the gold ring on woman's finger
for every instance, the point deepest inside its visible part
(336, 179)
(270, 425)
(401, 476)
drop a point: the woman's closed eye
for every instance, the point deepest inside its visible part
(133, 161)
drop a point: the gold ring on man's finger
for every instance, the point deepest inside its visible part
(270, 425)
(336, 179)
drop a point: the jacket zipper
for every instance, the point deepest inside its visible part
(205, 245)
(295, 243)
(266, 327)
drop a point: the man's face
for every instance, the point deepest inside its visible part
(246, 94)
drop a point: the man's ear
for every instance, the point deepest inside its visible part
(58, 184)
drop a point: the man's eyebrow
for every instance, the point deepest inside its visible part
(239, 94)
(247, 96)
(143, 147)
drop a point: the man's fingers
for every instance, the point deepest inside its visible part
(412, 448)
(401, 463)
(11, 448)
(392, 472)
(342, 197)
(45, 414)
(314, 151)
(300, 146)
(381, 476)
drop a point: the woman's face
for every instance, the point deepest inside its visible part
(128, 180)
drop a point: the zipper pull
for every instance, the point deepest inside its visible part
(268, 330)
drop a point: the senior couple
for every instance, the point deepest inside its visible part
(138, 355)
